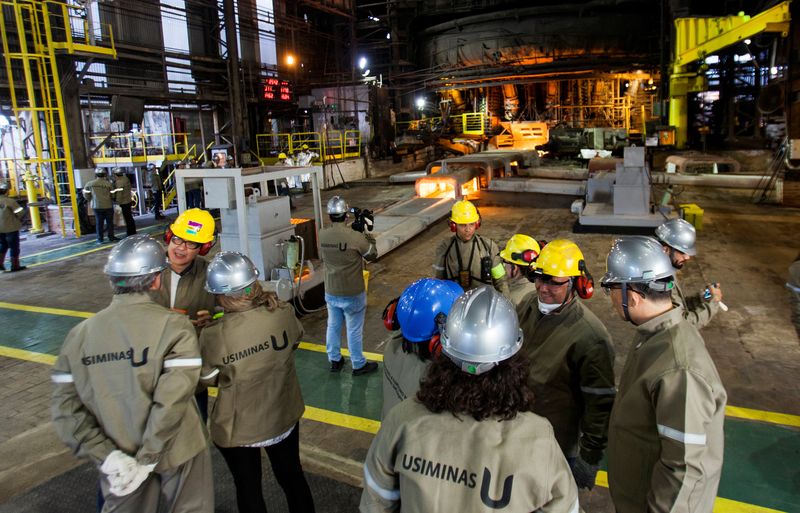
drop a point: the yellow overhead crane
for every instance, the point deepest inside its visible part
(697, 38)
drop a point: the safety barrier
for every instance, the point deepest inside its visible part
(330, 145)
(138, 148)
(468, 123)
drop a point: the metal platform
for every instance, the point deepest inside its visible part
(602, 214)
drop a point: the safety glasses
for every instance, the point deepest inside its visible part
(189, 244)
(549, 281)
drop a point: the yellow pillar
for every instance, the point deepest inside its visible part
(678, 117)
(30, 187)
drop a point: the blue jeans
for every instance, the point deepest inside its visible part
(351, 310)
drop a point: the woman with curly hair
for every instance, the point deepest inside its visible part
(469, 441)
(249, 355)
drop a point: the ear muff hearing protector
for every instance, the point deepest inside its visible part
(389, 315)
(452, 224)
(584, 284)
(435, 346)
(528, 256)
(204, 248)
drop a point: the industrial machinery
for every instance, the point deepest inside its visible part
(621, 198)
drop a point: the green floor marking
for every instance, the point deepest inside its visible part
(760, 464)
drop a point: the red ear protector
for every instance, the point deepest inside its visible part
(389, 315)
(453, 225)
(584, 284)
(527, 256)
(204, 248)
(435, 346)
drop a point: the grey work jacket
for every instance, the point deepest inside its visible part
(518, 289)
(10, 214)
(122, 186)
(250, 356)
(666, 436)
(429, 462)
(402, 373)
(125, 379)
(99, 192)
(454, 256)
(572, 374)
(695, 309)
(343, 250)
(191, 294)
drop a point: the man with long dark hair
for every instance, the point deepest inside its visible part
(469, 440)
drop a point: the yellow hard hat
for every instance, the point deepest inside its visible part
(519, 248)
(305, 146)
(560, 258)
(464, 212)
(195, 225)
(281, 155)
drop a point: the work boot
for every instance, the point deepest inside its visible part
(15, 265)
(337, 365)
(366, 369)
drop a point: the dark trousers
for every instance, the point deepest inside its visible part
(194, 198)
(8, 241)
(102, 215)
(127, 214)
(157, 203)
(245, 466)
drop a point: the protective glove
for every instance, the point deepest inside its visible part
(584, 473)
(118, 463)
(125, 485)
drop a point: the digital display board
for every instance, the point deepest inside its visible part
(278, 90)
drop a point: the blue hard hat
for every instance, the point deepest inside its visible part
(419, 305)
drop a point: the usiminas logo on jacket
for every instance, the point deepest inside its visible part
(194, 228)
(276, 344)
(462, 476)
(117, 356)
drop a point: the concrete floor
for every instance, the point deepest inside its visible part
(745, 247)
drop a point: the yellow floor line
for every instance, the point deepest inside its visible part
(46, 310)
(721, 505)
(86, 242)
(738, 412)
(319, 348)
(28, 356)
(73, 255)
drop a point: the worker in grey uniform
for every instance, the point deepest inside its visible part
(10, 223)
(666, 436)
(188, 240)
(571, 358)
(249, 354)
(468, 258)
(519, 257)
(123, 198)
(124, 382)
(793, 284)
(469, 442)
(98, 191)
(343, 250)
(678, 238)
(414, 342)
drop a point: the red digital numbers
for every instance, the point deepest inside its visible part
(275, 89)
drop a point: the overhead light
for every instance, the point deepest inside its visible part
(747, 41)
(420, 103)
(388, 35)
(374, 18)
(290, 60)
(362, 63)
(366, 73)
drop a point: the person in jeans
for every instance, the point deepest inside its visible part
(249, 353)
(98, 191)
(343, 252)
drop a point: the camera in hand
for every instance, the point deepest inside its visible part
(363, 218)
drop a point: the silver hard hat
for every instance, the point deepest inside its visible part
(637, 259)
(337, 206)
(678, 234)
(99, 171)
(119, 171)
(228, 272)
(137, 255)
(481, 331)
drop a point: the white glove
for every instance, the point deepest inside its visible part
(128, 484)
(118, 463)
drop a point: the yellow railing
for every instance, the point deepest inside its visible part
(469, 123)
(141, 148)
(334, 144)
